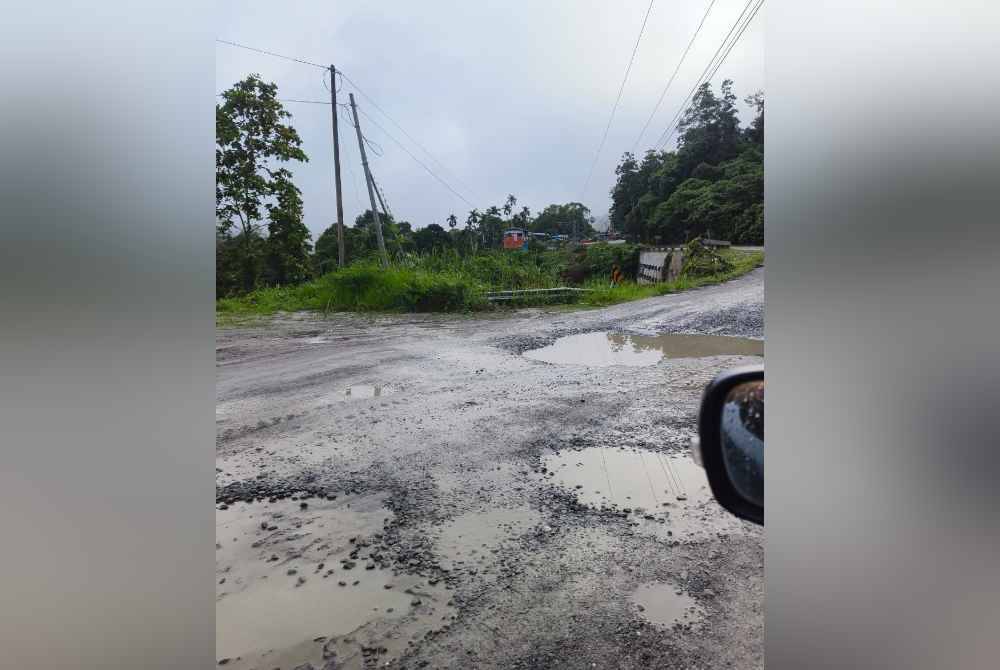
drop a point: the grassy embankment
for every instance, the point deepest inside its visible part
(448, 283)
(603, 294)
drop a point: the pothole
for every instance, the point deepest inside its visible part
(604, 349)
(286, 583)
(664, 605)
(668, 494)
(470, 539)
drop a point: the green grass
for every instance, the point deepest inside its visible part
(446, 282)
(603, 294)
(365, 288)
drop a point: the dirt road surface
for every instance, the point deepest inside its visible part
(413, 491)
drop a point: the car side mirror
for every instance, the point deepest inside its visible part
(730, 443)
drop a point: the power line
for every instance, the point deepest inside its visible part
(739, 24)
(374, 146)
(403, 130)
(367, 97)
(327, 86)
(621, 89)
(308, 102)
(673, 76)
(701, 77)
(715, 69)
(271, 53)
(354, 177)
(382, 197)
(417, 160)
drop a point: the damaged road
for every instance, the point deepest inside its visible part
(413, 491)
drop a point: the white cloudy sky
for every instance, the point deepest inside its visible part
(512, 97)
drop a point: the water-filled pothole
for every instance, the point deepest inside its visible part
(667, 493)
(470, 539)
(662, 604)
(282, 588)
(603, 349)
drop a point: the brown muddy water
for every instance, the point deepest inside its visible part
(283, 596)
(670, 488)
(604, 349)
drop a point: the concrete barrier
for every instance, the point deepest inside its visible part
(660, 264)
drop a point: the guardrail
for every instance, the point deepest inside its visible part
(560, 292)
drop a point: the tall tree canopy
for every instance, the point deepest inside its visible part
(712, 184)
(251, 140)
(432, 238)
(287, 246)
(572, 218)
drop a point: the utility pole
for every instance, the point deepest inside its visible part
(336, 167)
(368, 181)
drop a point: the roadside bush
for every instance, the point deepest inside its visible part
(703, 261)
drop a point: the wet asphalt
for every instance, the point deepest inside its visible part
(410, 491)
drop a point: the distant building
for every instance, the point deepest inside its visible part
(514, 239)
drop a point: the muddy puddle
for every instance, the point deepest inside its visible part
(668, 494)
(470, 540)
(664, 605)
(285, 595)
(605, 349)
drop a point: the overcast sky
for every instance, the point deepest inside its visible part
(512, 97)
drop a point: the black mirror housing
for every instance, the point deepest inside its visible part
(710, 444)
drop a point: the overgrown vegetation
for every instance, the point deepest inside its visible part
(366, 287)
(446, 282)
(704, 261)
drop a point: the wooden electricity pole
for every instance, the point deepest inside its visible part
(368, 181)
(336, 168)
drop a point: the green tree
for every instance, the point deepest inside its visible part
(325, 258)
(626, 192)
(430, 238)
(709, 130)
(509, 205)
(712, 182)
(287, 246)
(250, 138)
(572, 218)
(230, 264)
(491, 228)
(522, 219)
(723, 201)
(755, 132)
